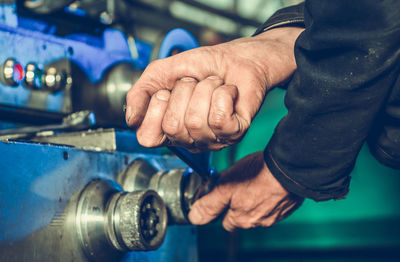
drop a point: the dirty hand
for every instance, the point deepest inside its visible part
(247, 196)
(206, 98)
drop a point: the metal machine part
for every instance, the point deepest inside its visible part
(208, 176)
(46, 6)
(110, 219)
(106, 97)
(94, 140)
(75, 121)
(12, 72)
(177, 187)
(30, 45)
(47, 207)
(101, 139)
(20, 49)
(54, 80)
(60, 201)
(33, 76)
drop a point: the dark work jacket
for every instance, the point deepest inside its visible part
(346, 91)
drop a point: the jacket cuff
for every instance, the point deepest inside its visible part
(288, 16)
(383, 156)
(294, 187)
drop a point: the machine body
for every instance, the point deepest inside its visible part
(75, 185)
(50, 210)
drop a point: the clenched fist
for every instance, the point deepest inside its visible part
(206, 98)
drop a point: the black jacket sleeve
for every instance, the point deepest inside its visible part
(288, 16)
(348, 63)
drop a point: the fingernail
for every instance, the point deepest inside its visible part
(163, 95)
(195, 216)
(128, 114)
(214, 78)
(188, 79)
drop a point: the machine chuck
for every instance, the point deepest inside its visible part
(111, 221)
(176, 187)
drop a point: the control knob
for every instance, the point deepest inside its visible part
(11, 72)
(55, 80)
(33, 76)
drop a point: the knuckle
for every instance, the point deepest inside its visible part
(129, 94)
(217, 147)
(228, 223)
(170, 125)
(193, 121)
(206, 210)
(145, 140)
(267, 223)
(224, 190)
(249, 203)
(243, 221)
(153, 65)
(227, 226)
(218, 119)
(246, 225)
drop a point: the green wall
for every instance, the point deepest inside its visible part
(365, 223)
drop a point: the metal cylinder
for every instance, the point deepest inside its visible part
(111, 221)
(176, 187)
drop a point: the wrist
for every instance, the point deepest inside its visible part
(281, 64)
(286, 35)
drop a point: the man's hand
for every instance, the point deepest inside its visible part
(206, 98)
(247, 195)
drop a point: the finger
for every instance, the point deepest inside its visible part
(234, 219)
(196, 117)
(137, 102)
(223, 120)
(252, 92)
(150, 134)
(276, 217)
(173, 122)
(285, 208)
(287, 211)
(228, 222)
(209, 206)
(162, 74)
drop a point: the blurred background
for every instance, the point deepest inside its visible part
(210, 21)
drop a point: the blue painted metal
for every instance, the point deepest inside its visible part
(177, 38)
(37, 182)
(29, 40)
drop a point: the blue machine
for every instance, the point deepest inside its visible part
(75, 185)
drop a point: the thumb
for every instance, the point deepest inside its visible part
(151, 81)
(210, 206)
